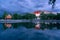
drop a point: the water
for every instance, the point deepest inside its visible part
(28, 31)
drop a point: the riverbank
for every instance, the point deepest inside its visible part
(33, 21)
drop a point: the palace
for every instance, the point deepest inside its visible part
(8, 16)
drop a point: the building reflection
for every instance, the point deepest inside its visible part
(8, 25)
(29, 25)
(37, 26)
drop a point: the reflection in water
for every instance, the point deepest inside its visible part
(29, 34)
(16, 25)
(8, 25)
(37, 26)
(42, 26)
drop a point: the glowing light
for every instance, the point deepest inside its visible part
(37, 26)
(37, 13)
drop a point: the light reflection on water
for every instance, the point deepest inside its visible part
(32, 25)
(8, 25)
(37, 26)
(27, 31)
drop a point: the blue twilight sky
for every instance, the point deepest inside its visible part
(27, 5)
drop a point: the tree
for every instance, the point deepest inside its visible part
(58, 16)
(52, 2)
(51, 16)
(48, 16)
(0, 17)
(43, 16)
(16, 16)
(29, 16)
(4, 15)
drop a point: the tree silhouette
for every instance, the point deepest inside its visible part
(52, 2)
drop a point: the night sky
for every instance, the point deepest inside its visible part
(27, 5)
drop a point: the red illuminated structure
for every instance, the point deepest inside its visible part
(37, 13)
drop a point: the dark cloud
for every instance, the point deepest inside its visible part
(25, 5)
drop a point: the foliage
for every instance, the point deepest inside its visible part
(4, 15)
(43, 16)
(52, 2)
(48, 16)
(16, 16)
(58, 16)
(29, 16)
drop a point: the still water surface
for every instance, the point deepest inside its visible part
(29, 31)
